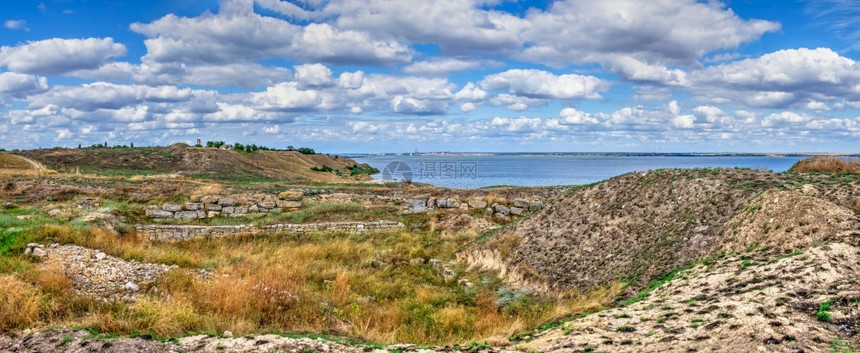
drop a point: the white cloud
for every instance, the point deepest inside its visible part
(675, 32)
(63, 134)
(517, 103)
(286, 97)
(351, 80)
(534, 83)
(59, 56)
(272, 129)
(246, 36)
(683, 121)
(782, 118)
(101, 95)
(21, 85)
(16, 25)
(468, 107)
(710, 113)
(314, 75)
(409, 105)
(573, 116)
(470, 92)
(780, 79)
(446, 66)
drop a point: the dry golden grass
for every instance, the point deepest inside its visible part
(8, 161)
(827, 165)
(365, 286)
(317, 283)
(19, 304)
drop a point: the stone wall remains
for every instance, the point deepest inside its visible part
(176, 233)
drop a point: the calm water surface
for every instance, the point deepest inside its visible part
(475, 171)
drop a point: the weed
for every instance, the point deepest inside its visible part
(823, 314)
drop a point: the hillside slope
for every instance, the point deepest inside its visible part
(192, 161)
(12, 162)
(762, 301)
(639, 226)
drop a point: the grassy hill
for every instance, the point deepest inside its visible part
(202, 162)
(10, 161)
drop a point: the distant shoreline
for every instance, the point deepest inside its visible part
(606, 154)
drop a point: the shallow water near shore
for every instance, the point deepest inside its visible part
(482, 170)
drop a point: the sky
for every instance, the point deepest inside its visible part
(366, 76)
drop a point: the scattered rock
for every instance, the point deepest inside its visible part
(516, 211)
(131, 286)
(503, 210)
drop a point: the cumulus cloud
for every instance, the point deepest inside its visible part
(446, 66)
(101, 95)
(400, 104)
(517, 103)
(664, 32)
(623, 35)
(21, 85)
(533, 83)
(573, 116)
(59, 56)
(246, 36)
(285, 97)
(314, 75)
(781, 79)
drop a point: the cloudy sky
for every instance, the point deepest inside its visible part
(442, 75)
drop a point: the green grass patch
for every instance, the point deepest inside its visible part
(823, 313)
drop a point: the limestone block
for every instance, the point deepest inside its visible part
(289, 204)
(171, 207)
(521, 203)
(453, 203)
(156, 213)
(185, 215)
(291, 195)
(475, 203)
(227, 201)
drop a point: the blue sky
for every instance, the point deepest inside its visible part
(446, 75)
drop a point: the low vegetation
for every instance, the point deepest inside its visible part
(827, 165)
(379, 287)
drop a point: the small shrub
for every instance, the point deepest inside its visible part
(323, 169)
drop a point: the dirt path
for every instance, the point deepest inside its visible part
(36, 165)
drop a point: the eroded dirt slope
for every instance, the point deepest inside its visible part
(761, 301)
(640, 226)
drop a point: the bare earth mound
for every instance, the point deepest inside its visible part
(640, 226)
(803, 302)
